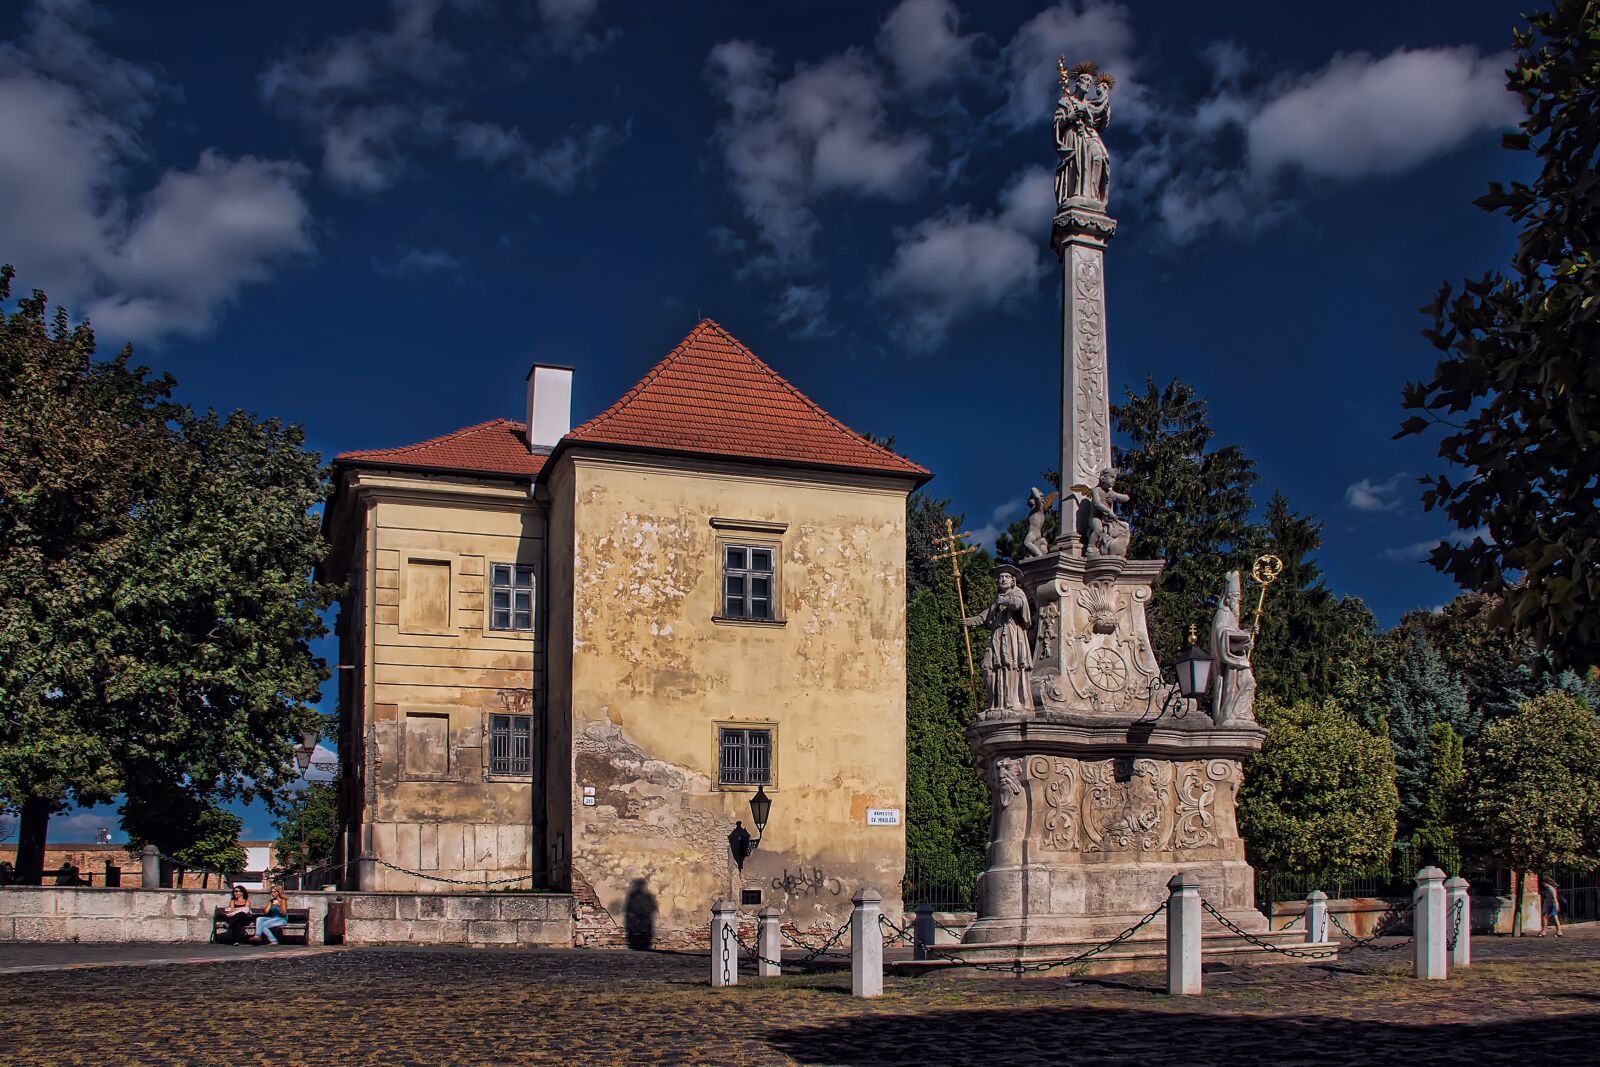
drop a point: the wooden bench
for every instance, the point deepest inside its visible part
(298, 926)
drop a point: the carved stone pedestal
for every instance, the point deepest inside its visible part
(1111, 784)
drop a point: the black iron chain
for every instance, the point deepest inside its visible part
(906, 933)
(1019, 967)
(727, 953)
(1455, 925)
(1239, 931)
(454, 881)
(813, 951)
(1367, 942)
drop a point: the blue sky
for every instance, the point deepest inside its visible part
(370, 217)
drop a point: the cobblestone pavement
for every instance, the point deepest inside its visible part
(1528, 1001)
(18, 956)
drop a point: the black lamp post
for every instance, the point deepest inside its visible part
(740, 843)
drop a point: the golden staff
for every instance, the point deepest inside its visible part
(1265, 571)
(957, 547)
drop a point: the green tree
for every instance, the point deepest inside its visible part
(1492, 661)
(188, 828)
(311, 818)
(1420, 692)
(1518, 387)
(1320, 795)
(1531, 795)
(1436, 832)
(1312, 644)
(1189, 505)
(155, 608)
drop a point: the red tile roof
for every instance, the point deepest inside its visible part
(712, 396)
(499, 446)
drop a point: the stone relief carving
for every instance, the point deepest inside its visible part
(1100, 601)
(1091, 414)
(1122, 805)
(1008, 779)
(1049, 630)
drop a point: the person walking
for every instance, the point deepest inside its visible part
(1551, 898)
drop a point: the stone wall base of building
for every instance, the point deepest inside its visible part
(173, 916)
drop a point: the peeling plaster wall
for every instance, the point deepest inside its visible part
(653, 674)
(437, 674)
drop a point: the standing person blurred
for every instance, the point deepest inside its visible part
(1551, 897)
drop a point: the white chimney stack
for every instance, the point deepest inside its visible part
(549, 404)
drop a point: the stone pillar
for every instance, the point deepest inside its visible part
(724, 946)
(1429, 923)
(866, 944)
(367, 872)
(1456, 897)
(927, 932)
(149, 868)
(1316, 917)
(1079, 235)
(1183, 934)
(769, 944)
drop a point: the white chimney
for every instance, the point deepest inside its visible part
(549, 404)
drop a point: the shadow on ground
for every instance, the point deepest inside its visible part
(1079, 1035)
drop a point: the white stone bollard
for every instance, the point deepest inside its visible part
(769, 944)
(927, 931)
(149, 868)
(724, 946)
(1183, 934)
(1316, 917)
(1430, 924)
(1456, 896)
(866, 944)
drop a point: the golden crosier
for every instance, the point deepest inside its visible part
(1265, 571)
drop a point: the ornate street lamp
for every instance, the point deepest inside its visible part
(308, 745)
(1193, 670)
(740, 843)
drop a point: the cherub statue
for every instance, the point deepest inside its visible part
(1034, 543)
(1084, 172)
(1108, 532)
(1233, 685)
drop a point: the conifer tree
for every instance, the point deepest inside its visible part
(1420, 692)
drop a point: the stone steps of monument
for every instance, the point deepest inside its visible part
(1141, 954)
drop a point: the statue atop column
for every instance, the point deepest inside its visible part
(1008, 663)
(1108, 531)
(1233, 686)
(1084, 170)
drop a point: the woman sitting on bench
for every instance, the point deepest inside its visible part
(238, 914)
(277, 914)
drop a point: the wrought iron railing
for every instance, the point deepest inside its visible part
(949, 883)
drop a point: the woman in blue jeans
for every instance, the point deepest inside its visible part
(276, 915)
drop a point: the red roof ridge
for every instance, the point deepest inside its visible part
(379, 453)
(891, 459)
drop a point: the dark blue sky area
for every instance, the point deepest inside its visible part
(369, 218)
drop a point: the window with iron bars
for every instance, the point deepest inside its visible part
(511, 744)
(746, 756)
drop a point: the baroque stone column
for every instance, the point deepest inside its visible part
(1079, 237)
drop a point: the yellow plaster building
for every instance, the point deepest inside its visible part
(575, 654)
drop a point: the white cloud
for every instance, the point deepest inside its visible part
(1418, 551)
(804, 309)
(958, 262)
(375, 98)
(70, 121)
(1368, 495)
(1218, 162)
(567, 23)
(1077, 30)
(1361, 116)
(81, 827)
(415, 261)
(999, 519)
(788, 143)
(920, 38)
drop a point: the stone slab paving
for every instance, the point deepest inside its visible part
(1527, 1001)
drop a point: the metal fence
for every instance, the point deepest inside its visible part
(949, 883)
(1396, 878)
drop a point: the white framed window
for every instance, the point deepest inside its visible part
(748, 581)
(510, 596)
(744, 755)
